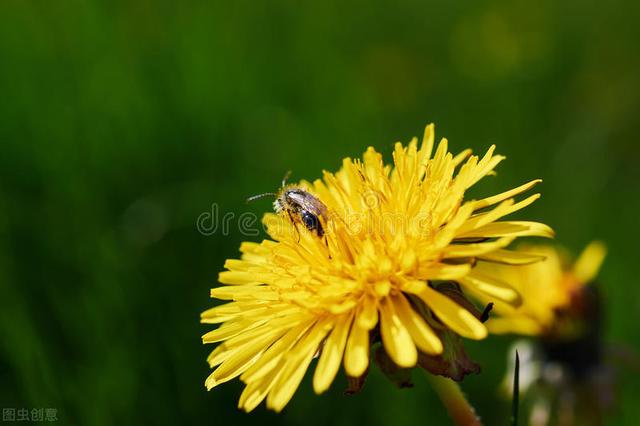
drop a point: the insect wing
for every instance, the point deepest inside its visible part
(307, 202)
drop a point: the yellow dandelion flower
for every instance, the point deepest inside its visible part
(390, 232)
(548, 287)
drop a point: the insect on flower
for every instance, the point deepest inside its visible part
(371, 282)
(299, 205)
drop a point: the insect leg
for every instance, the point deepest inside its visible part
(295, 224)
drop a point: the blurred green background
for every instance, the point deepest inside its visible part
(121, 122)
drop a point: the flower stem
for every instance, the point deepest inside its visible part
(459, 409)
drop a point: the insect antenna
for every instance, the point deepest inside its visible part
(259, 196)
(285, 178)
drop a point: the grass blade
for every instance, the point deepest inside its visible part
(516, 392)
